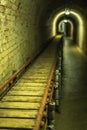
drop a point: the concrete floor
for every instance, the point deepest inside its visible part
(73, 115)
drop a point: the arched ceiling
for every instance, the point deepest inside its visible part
(51, 7)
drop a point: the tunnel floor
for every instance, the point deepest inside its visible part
(73, 107)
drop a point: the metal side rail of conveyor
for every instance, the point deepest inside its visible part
(25, 105)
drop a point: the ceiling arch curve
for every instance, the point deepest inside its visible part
(77, 17)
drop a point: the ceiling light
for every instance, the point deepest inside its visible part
(67, 11)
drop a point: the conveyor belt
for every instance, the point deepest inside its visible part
(20, 108)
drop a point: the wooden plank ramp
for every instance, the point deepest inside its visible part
(20, 108)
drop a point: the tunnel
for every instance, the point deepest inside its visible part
(27, 26)
(22, 29)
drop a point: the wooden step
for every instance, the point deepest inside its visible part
(22, 98)
(28, 93)
(33, 81)
(16, 123)
(21, 88)
(10, 113)
(20, 105)
(20, 83)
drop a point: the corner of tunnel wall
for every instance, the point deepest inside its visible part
(19, 35)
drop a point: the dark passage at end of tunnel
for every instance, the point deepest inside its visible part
(27, 26)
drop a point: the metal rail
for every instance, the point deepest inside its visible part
(43, 103)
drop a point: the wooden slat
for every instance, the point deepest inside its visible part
(20, 83)
(22, 98)
(19, 105)
(38, 72)
(27, 88)
(32, 93)
(34, 77)
(18, 113)
(33, 81)
(36, 69)
(16, 123)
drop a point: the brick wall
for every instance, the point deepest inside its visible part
(19, 35)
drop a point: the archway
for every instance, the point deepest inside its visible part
(76, 16)
(66, 27)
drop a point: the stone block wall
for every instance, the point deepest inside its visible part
(20, 34)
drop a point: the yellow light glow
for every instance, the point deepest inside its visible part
(79, 20)
(65, 21)
(55, 21)
(67, 12)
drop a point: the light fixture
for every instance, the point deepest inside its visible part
(67, 11)
(65, 21)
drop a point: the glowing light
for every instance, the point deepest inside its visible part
(81, 32)
(67, 11)
(65, 21)
(55, 21)
(79, 20)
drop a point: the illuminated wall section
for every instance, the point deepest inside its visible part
(76, 17)
(81, 28)
(57, 17)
